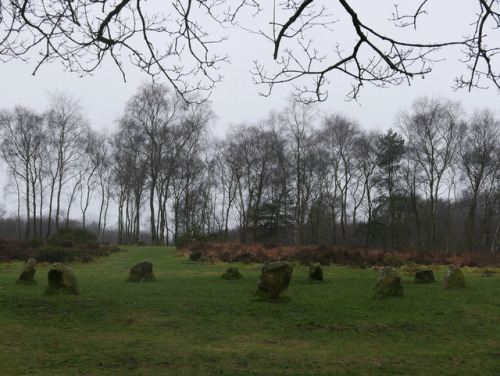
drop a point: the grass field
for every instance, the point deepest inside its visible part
(192, 322)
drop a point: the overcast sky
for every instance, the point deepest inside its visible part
(236, 99)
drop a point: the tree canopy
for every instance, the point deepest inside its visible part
(308, 40)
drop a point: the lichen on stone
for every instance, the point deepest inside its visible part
(389, 283)
(424, 276)
(274, 280)
(315, 272)
(454, 278)
(142, 272)
(27, 276)
(62, 280)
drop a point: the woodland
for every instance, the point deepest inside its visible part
(294, 177)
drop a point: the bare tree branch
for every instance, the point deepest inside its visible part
(374, 57)
(82, 34)
(174, 41)
(287, 25)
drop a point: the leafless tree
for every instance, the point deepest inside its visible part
(359, 191)
(495, 210)
(310, 41)
(433, 130)
(163, 127)
(367, 169)
(75, 187)
(90, 165)
(22, 136)
(251, 158)
(412, 172)
(206, 206)
(227, 174)
(150, 116)
(478, 162)
(341, 140)
(283, 191)
(67, 126)
(128, 170)
(99, 154)
(298, 120)
(188, 184)
(187, 156)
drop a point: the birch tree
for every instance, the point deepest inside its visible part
(67, 126)
(22, 136)
(432, 129)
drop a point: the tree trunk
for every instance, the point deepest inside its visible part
(28, 209)
(154, 237)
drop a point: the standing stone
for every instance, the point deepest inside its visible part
(315, 272)
(453, 278)
(274, 280)
(424, 276)
(142, 272)
(389, 283)
(62, 280)
(28, 273)
(232, 273)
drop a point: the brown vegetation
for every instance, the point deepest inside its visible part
(326, 255)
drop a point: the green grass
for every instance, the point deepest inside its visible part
(192, 322)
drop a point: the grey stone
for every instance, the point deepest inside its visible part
(316, 272)
(232, 273)
(389, 283)
(454, 278)
(274, 280)
(28, 274)
(142, 272)
(62, 280)
(424, 276)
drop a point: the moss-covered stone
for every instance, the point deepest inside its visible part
(27, 276)
(62, 280)
(389, 283)
(315, 272)
(424, 276)
(454, 278)
(142, 272)
(232, 273)
(274, 280)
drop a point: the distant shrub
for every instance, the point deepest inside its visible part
(33, 243)
(195, 256)
(188, 238)
(394, 261)
(66, 243)
(68, 237)
(54, 254)
(270, 244)
(75, 245)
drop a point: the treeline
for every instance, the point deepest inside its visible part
(294, 178)
(56, 164)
